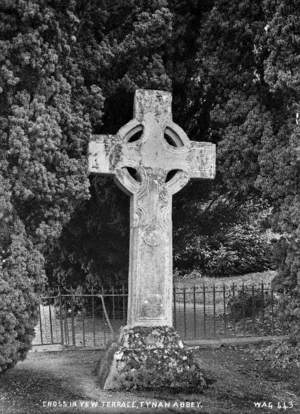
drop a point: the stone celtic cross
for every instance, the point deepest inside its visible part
(151, 159)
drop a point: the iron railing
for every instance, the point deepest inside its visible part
(201, 311)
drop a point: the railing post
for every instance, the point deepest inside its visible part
(41, 327)
(253, 308)
(106, 315)
(72, 320)
(113, 303)
(214, 308)
(194, 301)
(263, 301)
(103, 314)
(61, 318)
(224, 309)
(83, 323)
(243, 307)
(67, 339)
(184, 310)
(204, 311)
(233, 311)
(123, 303)
(174, 306)
(93, 317)
(272, 311)
(50, 320)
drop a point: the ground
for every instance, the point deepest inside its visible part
(67, 376)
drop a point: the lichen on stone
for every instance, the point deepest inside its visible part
(155, 358)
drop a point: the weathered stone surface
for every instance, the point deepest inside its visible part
(152, 358)
(153, 145)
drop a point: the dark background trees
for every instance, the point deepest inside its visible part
(70, 68)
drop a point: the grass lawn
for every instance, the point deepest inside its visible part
(67, 376)
(249, 279)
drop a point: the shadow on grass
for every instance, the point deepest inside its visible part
(24, 390)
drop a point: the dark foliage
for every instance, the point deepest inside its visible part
(248, 303)
(239, 250)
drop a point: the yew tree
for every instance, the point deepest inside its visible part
(44, 129)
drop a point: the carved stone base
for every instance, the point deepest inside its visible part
(150, 358)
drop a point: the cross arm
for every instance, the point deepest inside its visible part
(102, 154)
(197, 160)
(201, 160)
(107, 156)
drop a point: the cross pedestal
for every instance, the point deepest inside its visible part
(151, 158)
